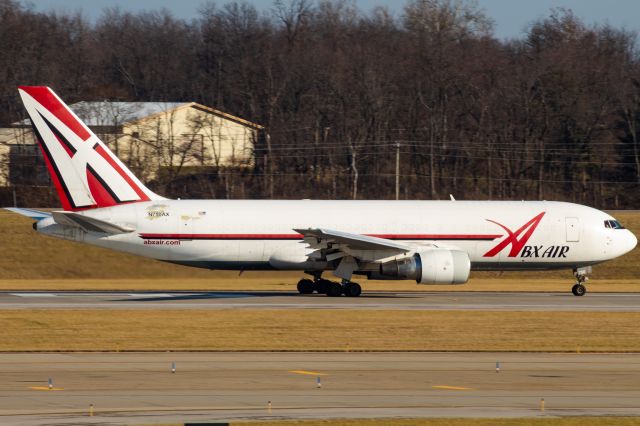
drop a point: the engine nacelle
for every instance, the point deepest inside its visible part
(432, 266)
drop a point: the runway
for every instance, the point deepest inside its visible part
(609, 302)
(140, 388)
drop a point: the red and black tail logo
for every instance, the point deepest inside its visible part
(514, 238)
(85, 172)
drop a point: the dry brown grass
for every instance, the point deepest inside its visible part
(564, 421)
(317, 330)
(27, 255)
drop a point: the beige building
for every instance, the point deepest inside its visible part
(18, 143)
(152, 138)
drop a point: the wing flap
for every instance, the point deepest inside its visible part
(353, 241)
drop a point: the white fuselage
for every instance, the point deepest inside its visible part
(259, 234)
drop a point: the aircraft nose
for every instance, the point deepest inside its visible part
(632, 241)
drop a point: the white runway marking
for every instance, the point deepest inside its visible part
(139, 295)
(33, 294)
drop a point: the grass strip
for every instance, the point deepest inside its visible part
(318, 330)
(563, 421)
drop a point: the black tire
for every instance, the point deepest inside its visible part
(578, 290)
(352, 290)
(305, 286)
(334, 290)
(321, 286)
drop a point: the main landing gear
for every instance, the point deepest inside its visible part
(581, 277)
(330, 288)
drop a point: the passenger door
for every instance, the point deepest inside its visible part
(572, 229)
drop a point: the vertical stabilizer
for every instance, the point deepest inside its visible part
(83, 169)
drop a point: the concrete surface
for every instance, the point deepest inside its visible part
(139, 388)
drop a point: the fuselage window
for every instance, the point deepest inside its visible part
(613, 224)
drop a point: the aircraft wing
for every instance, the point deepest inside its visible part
(88, 224)
(349, 250)
(349, 243)
(33, 214)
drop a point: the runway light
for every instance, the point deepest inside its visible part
(318, 382)
(50, 383)
(173, 367)
(541, 404)
(497, 366)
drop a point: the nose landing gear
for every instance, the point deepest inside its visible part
(578, 290)
(581, 277)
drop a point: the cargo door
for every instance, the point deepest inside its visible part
(572, 229)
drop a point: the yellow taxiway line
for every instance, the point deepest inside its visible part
(45, 388)
(451, 388)
(309, 373)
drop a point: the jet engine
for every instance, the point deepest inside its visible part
(433, 266)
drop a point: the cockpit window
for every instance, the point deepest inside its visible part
(613, 224)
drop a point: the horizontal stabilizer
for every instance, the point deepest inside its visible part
(88, 224)
(33, 214)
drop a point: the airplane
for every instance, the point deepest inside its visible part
(430, 242)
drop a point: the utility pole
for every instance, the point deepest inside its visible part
(397, 170)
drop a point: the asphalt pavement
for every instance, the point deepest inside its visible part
(517, 301)
(140, 388)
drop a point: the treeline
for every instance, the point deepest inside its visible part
(553, 114)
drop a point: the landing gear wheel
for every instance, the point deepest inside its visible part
(334, 290)
(578, 290)
(352, 290)
(305, 286)
(321, 286)
(581, 275)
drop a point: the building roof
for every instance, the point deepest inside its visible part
(107, 113)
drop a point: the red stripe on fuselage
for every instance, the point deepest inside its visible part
(449, 237)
